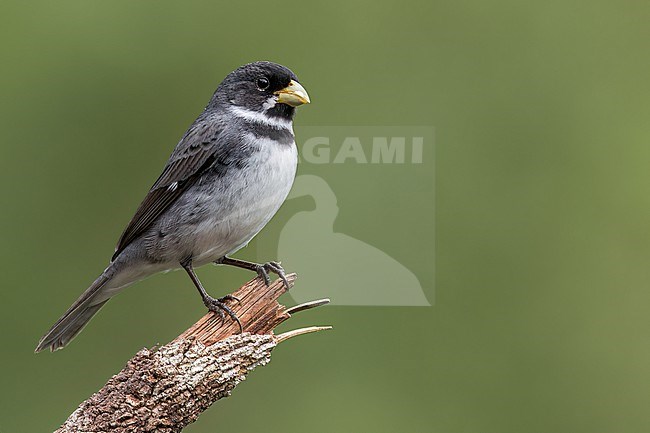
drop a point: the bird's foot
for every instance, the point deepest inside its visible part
(264, 269)
(220, 307)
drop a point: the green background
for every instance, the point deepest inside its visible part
(542, 207)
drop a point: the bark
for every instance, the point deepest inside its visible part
(164, 389)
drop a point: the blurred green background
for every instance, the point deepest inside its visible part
(542, 206)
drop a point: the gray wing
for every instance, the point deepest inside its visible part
(195, 153)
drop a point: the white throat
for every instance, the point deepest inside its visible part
(261, 118)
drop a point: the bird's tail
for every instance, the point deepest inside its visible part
(77, 316)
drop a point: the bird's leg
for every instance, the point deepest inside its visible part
(215, 305)
(261, 269)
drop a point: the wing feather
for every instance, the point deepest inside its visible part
(194, 154)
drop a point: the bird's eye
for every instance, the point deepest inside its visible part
(263, 83)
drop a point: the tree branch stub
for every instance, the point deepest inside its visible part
(164, 389)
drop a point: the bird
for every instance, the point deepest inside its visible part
(225, 179)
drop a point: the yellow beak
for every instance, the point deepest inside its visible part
(294, 94)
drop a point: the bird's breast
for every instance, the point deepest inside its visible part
(240, 203)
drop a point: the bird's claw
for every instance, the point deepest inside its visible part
(263, 272)
(219, 307)
(229, 298)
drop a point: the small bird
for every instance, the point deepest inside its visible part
(225, 179)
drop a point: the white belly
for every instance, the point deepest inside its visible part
(257, 192)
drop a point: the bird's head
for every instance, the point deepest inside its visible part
(261, 88)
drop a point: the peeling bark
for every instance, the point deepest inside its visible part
(165, 389)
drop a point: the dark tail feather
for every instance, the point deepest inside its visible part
(74, 320)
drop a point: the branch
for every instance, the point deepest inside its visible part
(164, 389)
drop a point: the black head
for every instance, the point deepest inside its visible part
(262, 87)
